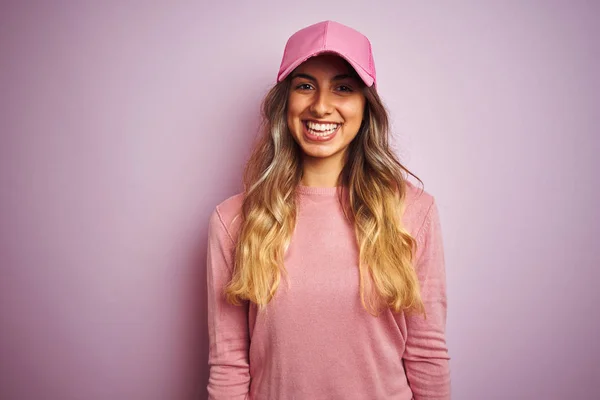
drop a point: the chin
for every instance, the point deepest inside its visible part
(319, 153)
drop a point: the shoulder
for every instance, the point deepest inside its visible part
(418, 204)
(227, 214)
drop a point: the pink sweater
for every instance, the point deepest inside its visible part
(316, 341)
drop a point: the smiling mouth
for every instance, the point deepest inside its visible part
(320, 130)
(321, 133)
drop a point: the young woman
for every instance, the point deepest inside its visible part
(326, 275)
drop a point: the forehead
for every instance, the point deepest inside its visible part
(326, 64)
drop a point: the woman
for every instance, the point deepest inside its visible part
(326, 275)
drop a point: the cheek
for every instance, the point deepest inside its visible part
(353, 113)
(294, 106)
(292, 119)
(292, 115)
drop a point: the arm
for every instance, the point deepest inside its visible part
(426, 355)
(229, 374)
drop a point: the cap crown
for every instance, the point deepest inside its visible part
(329, 36)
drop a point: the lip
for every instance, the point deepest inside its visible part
(316, 121)
(313, 138)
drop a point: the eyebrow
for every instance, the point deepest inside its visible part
(312, 78)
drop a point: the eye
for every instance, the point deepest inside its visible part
(304, 86)
(344, 88)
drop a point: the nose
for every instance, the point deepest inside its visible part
(321, 104)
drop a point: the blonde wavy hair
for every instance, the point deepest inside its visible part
(376, 183)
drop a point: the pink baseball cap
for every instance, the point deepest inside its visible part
(329, 37)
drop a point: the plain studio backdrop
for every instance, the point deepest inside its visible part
(123, 124)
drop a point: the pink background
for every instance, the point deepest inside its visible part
(122, 126)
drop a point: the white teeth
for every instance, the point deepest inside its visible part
(321, 129)
(328, 128)
(317, 133)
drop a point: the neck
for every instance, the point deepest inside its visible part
(319, 172)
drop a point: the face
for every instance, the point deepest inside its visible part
(325, 107)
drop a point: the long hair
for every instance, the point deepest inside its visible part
(376, 183)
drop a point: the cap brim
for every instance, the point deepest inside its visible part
(366, 78)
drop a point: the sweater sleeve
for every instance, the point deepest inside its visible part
(229, 369)
(426, 357)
